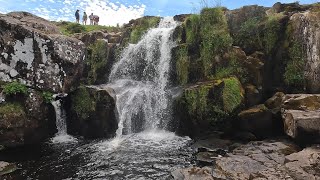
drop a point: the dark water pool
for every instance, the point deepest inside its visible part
(146, 155)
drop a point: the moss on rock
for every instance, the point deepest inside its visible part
(82, 103)
(232, 94)
(141, 26)
(182, 64)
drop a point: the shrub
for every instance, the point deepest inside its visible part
(96, 59)
(232, 94)
(294, 72)
(47, 96)
(182, 65)
(192, 25)
(215, 36)
(271, 32)
(15, 88)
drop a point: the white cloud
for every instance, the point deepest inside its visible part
(113, 14)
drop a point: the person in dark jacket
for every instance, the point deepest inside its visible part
(77, 16)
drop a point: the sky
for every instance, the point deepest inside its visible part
(113, 12)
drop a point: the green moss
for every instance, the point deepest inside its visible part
(192, 25)
(15, 88)
(96, 59)
(12, 110)
(141, 27)
(182, 65)
(232, 94)
(196, 99)
(82, 103)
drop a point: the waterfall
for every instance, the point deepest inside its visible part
(61, 136)
(60, 118)
(140, 80)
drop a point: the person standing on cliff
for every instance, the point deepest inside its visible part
(77, 16)
(84, 18)
(91, 19)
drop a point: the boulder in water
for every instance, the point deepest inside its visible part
(93, 112)
(6, 168)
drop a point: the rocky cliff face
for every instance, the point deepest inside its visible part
(34, 53)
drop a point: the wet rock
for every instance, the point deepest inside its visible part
(301, 117)
(6, 168)
(20, 119)
(194, 173)
(253, 95)
(181, 17)
(92, 112)
(275, 102)
(257, 120)
(33, 53)
(208, 106)
(306, 36)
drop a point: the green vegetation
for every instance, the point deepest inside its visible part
(249, 34)
(141, 27)
(196, 99)
(82, 103)
(15, 88)
(96, 59)
(192, 25)
(182, 65)
(232, 94)
(69, 28)
(215, 37)
(47, 96)
(271, 32)
(233, 68)
(11, 110)
(294, 72)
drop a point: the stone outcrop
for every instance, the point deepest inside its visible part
(301, 117)
(272, 159)
(207, 105)
(25, 120)
(92, 112)
(34, 53)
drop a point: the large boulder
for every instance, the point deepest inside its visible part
(25, 120)
(92, 112)
(207, 106)
(305, 46)
(301, 117)
(34, 53)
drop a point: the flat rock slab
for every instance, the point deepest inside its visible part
(302, 124)
(193, 173)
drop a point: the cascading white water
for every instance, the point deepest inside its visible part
(140, 80)
(61, 136)
(60, 118)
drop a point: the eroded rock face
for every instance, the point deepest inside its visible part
(26, 120)
(307, 33)
(33, 53)
(93, 112)
(301, 117)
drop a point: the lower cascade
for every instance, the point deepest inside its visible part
(61, 123)
(140, 80)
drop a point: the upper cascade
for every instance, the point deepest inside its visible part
(140, 80)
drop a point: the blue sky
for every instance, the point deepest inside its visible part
(112, 12)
